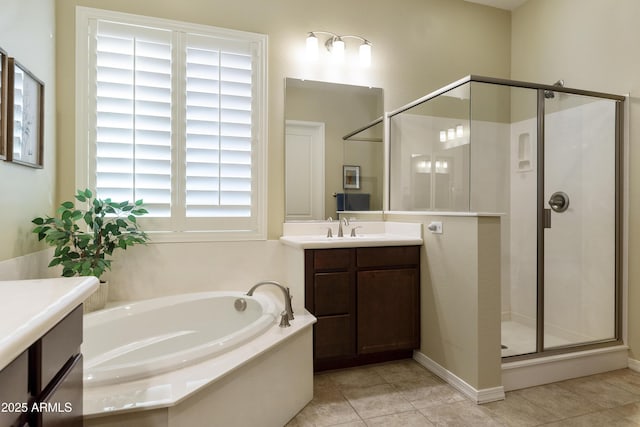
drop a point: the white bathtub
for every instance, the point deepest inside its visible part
(188, 359)
(150, 337)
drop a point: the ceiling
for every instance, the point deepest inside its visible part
(500, 4)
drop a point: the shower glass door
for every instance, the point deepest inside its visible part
(579, 220)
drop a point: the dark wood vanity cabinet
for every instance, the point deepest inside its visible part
(43, 386)
(14, 392)
(366, 301)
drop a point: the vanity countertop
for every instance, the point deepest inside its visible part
(321, 242)
(31, 307)
(368, 234)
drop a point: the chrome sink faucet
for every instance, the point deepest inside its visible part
(346, 224)
(287, 314)
(329, 232)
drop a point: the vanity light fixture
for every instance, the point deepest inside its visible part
(336, 45)
(452, 133)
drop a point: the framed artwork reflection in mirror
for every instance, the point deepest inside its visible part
(351, 177)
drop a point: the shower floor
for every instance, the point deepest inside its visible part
(520, 338)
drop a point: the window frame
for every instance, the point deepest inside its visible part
(208, 228)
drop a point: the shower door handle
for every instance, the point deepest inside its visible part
(559, 201)
(546, 218)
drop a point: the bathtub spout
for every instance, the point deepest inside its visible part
(287, 298)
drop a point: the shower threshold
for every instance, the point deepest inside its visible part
(563, 366)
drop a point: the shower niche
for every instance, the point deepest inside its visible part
(486, 145)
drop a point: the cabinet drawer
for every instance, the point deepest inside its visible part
(388, 256)
(334, 337)
(331, 293)
(56, 348)
(332, 259)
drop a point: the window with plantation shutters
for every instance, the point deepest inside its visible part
(175, 115)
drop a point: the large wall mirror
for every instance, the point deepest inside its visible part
(334, 150)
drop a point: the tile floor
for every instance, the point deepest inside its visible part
(403, 393)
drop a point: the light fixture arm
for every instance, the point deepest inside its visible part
(362, 39)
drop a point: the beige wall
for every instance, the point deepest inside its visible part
(27, 30)
(591, 44)
(460, 296)
(418, 45)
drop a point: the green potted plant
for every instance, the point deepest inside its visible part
(85, 238)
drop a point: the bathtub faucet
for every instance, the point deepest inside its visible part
(288, 314)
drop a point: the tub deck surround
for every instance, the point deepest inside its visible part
(313, 235)
(168, 389)
(30, 308)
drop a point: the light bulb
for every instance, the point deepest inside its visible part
(312, 46)
(459, 131)
(338, 49)
(451, 133)
(443, 136)
(365, 54)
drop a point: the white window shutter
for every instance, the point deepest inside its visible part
(133, 115)
(218, 135)
(176, 116)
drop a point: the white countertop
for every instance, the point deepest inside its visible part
(370, 240)
(29, 308)
(368, 234)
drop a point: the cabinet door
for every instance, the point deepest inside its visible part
(61, 405)
(333, 337)
(333, 293)
(388, 310)
(14, 393)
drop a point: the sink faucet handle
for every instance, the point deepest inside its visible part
(329, 232)
(353, 230)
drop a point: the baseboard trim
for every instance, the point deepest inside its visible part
(479, 396)
(634, 364)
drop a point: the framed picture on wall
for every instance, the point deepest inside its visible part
(3, 103)
(25, 116)
(351, 177)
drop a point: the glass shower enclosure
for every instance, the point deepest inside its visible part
(548, 159)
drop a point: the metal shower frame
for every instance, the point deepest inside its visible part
(619, 180)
